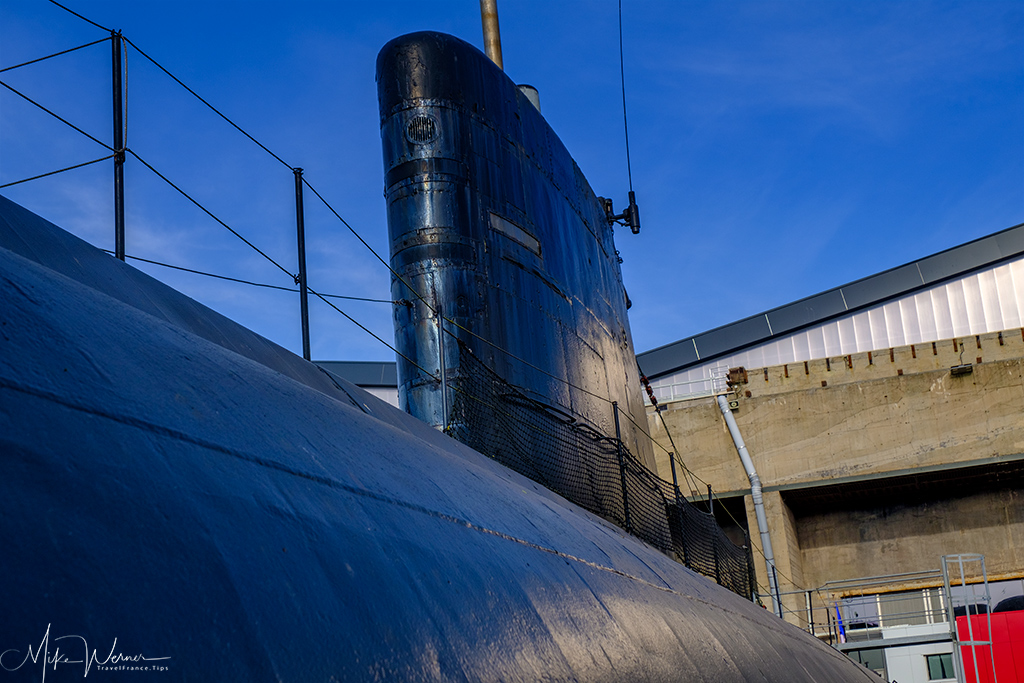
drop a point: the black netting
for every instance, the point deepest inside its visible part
(594, 471)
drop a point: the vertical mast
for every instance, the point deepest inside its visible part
(115, 43)
(300, 233)
(492, 36)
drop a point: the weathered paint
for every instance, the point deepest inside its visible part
(174, 481)
(490, 217)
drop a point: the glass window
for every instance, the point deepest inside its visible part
(939, 666)
(860, 612)
(873, 659)
(902, 608)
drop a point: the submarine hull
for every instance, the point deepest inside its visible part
(179, 489)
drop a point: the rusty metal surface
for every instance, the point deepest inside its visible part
(490, 217)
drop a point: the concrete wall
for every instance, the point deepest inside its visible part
(864, 414)
(847, 544)
(823, 433)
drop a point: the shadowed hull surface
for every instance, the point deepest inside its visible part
(259, 523)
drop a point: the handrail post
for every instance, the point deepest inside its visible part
(751, 571)
(672, 465)
(622, 467)
(443, 367)
(115, 42)
(718, 564)
(300, 280)
(682, 528)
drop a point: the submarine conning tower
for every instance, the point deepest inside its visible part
(492, 224)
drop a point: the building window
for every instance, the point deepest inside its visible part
(873, 659)
(939, 666)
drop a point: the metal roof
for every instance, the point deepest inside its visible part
(363, 373)
(872, 290)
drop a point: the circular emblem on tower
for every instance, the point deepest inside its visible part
(421, 129)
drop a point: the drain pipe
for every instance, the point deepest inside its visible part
(755, 493)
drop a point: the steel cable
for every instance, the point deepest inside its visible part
(212, 108)
(55, 54)
(69, 168)
(62, 120)
(209, 213)
(367, 245)
(249, 282)
(90, 21)
(365, 329)
(622, 74)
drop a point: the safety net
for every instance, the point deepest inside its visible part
(591, 469)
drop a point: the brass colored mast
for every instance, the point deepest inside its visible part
(492, 36)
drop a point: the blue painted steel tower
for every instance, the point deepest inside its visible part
(492, 223)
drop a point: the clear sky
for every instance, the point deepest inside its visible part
(778, 148)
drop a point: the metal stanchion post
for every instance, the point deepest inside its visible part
(300, 232)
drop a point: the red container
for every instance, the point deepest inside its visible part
(1007, 647)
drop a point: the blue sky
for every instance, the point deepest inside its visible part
(778, 148)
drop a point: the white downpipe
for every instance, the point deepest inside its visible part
(755, 493)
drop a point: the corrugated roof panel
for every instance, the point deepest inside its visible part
(806, 311)
(363, 373)
(1010, 241)
(882, 286)
(968, 257)
(975, 303)
(727, 343)
(724, 339)
(680, 353)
